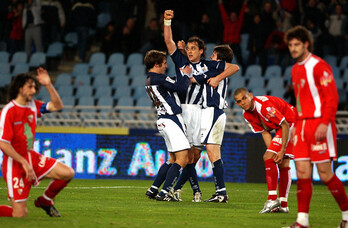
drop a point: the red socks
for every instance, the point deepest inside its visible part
(304, 194)
(271, 178)
(51, 191)
(284, 185)
(337, 190)
(5, 211)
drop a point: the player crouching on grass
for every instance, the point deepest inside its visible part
(163, 90)
(264, 114)
(22, 166)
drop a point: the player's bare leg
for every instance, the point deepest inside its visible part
(336, 188)
(19, 209)
(214, 155)
(61, 175)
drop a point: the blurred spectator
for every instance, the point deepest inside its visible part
(16, 34)
(109, 40)
(267, 19)
(232, 28)
(150, 11)
(83, 17)
(334, 25)
(256, 43)
(32, 25)
(4, 10)
(54, 21)
(317, 35)
(152, 38)
(276, 46)
(344, 29)
(311, 11)
(206, 29)
(129, 37)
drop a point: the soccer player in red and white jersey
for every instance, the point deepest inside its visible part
(264, 114)
(315, 135)
(22, 166)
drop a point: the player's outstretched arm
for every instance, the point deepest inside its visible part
(230, 69)
(168, 36)
(8, 149)
(45, 80)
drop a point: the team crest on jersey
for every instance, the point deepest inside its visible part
(303, 82)
(30, 118)
(20, 191)
(270, 112)
(326, 79)
(168, 79)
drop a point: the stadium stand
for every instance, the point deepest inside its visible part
(253, 70)
(4, 57)
(19, 57)
(118, 70)
(134, 59)
(37, 59)
(115, 59)
(97, 58)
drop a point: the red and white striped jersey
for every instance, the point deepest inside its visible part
(315, 89)
(18, 124)
(268, 113)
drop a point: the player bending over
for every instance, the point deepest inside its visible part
(264, 114)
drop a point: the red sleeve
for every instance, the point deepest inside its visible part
(6, 126)
(224, 15)
(269, 40)
(272, 114)
(38, 105)
(328, 92)
(241, 15)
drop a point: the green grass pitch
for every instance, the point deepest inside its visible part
(122, 203)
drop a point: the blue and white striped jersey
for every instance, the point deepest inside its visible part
(201, 93)
(163, 91)
(213, 97)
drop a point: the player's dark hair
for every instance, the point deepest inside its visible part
(239, 90)
(224, 53)
(200, 43)
(301, 33)
(18, 82)
(153, 57)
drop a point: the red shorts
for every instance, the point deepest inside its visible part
(18, 186)
(276, 144)
(307, 148)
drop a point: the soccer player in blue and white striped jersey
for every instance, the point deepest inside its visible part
(193, 101)
(163, 91)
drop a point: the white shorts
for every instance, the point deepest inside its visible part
(173, 132)
(192, 118)
(213, 125)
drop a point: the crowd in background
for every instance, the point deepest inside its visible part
(137, 25)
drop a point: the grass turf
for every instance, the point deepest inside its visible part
(122, 203)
